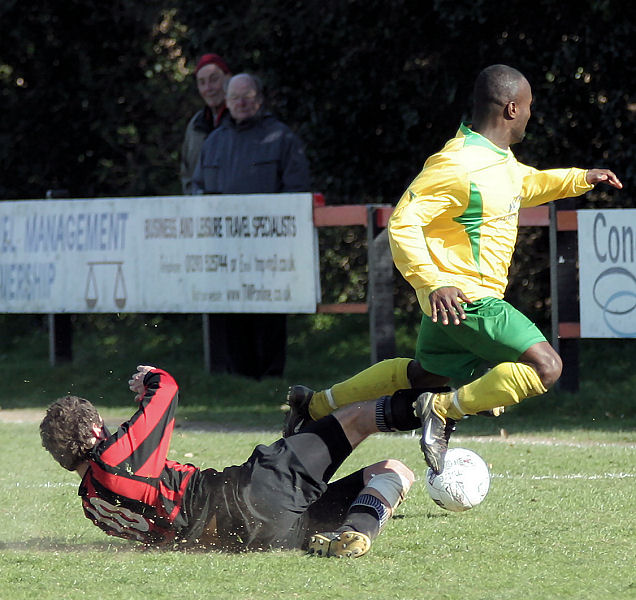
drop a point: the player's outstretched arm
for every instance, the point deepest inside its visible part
(594, 176)
(136, 381)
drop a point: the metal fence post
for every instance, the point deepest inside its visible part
(60, 326)
(60, 338)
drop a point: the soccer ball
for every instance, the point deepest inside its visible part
(462, 484)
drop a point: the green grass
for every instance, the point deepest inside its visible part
(323, 349)
(558, 522)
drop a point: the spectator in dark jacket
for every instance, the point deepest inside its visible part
(251, 152)
(211, 75)
(236, 161)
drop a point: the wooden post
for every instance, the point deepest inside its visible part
(380, 290)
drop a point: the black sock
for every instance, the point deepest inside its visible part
(366, 515)
(395, 413)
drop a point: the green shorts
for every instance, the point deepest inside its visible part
(493, 332)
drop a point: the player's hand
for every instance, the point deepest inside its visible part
(594, 176)
(447, 305)
(136, 381)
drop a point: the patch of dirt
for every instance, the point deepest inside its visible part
(22, 415)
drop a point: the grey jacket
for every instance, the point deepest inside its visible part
(258, 156)
(199, 127)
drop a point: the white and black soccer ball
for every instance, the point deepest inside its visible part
(462, 484)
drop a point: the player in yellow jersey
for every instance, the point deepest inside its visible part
(452, 236)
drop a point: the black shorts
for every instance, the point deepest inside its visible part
(280, 494)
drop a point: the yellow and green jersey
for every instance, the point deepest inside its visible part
(456, 224)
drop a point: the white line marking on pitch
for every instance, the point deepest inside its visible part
(543, 442)
(565, 476)
(48, 484)
(514, 440)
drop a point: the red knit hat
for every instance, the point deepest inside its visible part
(212, 59)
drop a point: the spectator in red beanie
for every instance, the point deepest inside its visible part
(211, 74)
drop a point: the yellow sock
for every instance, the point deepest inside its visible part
(507, 383)
(446, 407)
(380, 379)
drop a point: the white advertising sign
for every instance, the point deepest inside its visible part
(607, 273)
(183, 254)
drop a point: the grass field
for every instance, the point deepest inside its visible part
(559, 520)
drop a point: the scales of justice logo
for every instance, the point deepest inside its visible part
(105, 269)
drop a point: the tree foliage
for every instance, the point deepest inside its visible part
(96, 94)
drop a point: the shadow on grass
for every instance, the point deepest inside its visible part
(53, 545)
(47, 544)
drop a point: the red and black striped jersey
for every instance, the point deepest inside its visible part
(131, 489)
